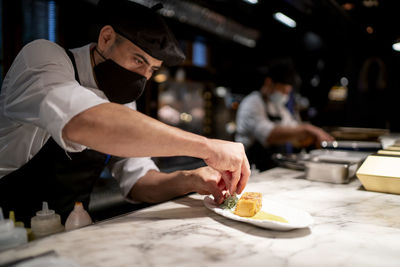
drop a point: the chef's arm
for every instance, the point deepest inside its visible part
(157, 187)
(301, 135)
(118, 130)
(281, 135)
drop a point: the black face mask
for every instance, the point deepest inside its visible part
(119, 84)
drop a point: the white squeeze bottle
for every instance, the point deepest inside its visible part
(46, 222)
(78, 217)
(10, 236)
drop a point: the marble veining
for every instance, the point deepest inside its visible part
(353, 227)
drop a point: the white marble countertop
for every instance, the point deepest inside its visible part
(352, 227)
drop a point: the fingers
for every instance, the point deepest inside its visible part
(230, 159)
(227, 177)
(235, 180)
(329, 137)
(244, 178)
(324, 136)
(218, 196)
(211, 182)
(221, 185)
(217, 189)
(319, 134)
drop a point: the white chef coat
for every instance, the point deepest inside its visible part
(252, 122)
(40, 95)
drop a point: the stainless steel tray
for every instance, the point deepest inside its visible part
(336, 172)
(322, 168)
(291, 161)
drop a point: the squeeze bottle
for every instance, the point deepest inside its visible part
(78, 217)
(10, 236)
(46, 222)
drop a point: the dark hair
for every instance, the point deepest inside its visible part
(281, 71)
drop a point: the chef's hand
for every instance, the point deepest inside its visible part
(230, 160)
(312, 134)
(206, 181)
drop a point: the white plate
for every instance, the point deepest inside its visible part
(296, 218)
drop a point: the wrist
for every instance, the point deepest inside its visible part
(188, 181)
(205, 149)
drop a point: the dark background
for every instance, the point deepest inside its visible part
(330, 42)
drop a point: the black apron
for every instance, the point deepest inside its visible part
(52, 175)
(261, 156)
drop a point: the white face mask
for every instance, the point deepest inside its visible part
(278, 98)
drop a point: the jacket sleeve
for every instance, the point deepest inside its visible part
(40, 89)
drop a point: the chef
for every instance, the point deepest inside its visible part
(264, 123)
(66, 114)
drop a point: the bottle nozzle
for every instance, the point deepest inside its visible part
(5, 225)
(12, 216)
(45, 206)
(78, 205)
(45, 210)
(1, 214)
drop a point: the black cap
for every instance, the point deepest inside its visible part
(143, 27)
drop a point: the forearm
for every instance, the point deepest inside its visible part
(302, 135)
(157, 187)
(281, 135)
(120, 131)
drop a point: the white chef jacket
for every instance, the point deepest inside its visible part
(252, 122)
(40, 95)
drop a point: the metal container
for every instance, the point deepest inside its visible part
(323, 165)
(336, 172)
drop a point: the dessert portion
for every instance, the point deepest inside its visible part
(249, 204)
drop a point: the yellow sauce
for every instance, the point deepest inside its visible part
(262, 215)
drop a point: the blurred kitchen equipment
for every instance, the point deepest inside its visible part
(392, 139)
(352, 145)
(324, 165)
(360, 134)
(10, 236)
(293, 161)
(350, 156)
(337, 172)
(380, 172)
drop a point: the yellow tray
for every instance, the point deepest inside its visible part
(380, 173)
(389, 152)
(394, 148)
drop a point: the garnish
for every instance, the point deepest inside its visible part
(229, 202)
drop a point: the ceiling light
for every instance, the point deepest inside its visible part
(370, 3)
(284, 19)
(344, 81)
(221, 91)
(161, 75)
(396, 46)
(370, 30)
(253, 2)
(348, 6)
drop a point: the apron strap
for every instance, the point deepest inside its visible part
(72, 58)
